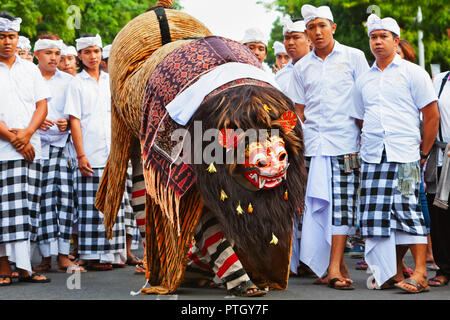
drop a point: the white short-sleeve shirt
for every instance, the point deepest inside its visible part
(90, 101)
(58, 86)
(444, 108)
(325, 88)
(390, 103)
(283, 77)
(21, 87)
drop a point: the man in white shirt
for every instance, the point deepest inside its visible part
(255, 40)
(23, 49)
(389, 99)
(297, 45)
(23, 109)
(57, 199)
(321, 86)
(281, 56)
(68, 61)
(88, 104)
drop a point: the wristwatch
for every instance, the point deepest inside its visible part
(423, 156)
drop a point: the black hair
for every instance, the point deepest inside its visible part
(6, 15)
(80, 64)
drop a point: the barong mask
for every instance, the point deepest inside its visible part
(266, 162)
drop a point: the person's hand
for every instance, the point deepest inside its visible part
(84, 166)
(21, 139)
(422, 162)
(27, 152)
(63, 124)
(275, 68)
(46, 125)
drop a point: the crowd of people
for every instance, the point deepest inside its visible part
(375, 146)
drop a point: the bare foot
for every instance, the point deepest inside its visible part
(419, 278)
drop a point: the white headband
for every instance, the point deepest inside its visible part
(310, 12)
(254, 35)
(7, 25)
(278, 47)
(289, 26)
(68, 51)
(106, 51)
(375, 23)
(23, 43)
(83, 43)
(43, 44)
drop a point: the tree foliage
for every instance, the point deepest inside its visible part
(71, 18)
(350, 17)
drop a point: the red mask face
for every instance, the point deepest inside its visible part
(266, 163)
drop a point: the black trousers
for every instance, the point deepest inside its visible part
(440, 236)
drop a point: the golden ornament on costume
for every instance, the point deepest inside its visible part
(250, 208)
(274, 240)
(211, 168)
(286, 195)
(223, 195)
(266, 108)
(239, 209)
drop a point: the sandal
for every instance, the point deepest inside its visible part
(45, 267)
(390, 284)
(99, 267)
(4, 277)
(435, 279)
(420, 288)
(139, 269)
(33, 279)
(332, 284)
(73, 268)
(407, 272)
(133, 261)
(243, 289)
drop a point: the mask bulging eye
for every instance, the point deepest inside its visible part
(282, 156)
(260, 160)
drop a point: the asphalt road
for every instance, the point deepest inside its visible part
(118, 283)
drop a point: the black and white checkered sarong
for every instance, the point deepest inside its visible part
(57, 199)
(383, 207)
(91, 229)
(20, 188)
(345, 192)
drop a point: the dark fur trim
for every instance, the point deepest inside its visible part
(242, 107)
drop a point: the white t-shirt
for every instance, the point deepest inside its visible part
(325, 88)
(90, 101)
(21, 87)
(58, 86)
(444, 109)
(283, 77)
(389, 102)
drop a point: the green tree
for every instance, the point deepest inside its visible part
(350, 16)
(105, 17)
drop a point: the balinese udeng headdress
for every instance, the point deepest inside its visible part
(43, 44)
(7, 25)
(310, 13)
(289, 26)
(85, 42)
(68, 51)
(24, 43)
(278, 48)
(106, 51)
(375, 23)
(254, 35)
